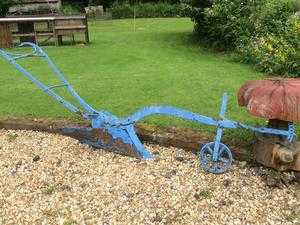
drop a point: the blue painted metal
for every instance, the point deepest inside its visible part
(219, 165)
(219, 128)
(110, 132)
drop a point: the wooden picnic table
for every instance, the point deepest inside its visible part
(30, 28)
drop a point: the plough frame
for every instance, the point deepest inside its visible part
(118, 135)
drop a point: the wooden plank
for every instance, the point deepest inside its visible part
(25, 19)
(24, 35)
(40, 18)
(5, 35)
(39, 1)
(69, 32)
(79, 17)
(70, 27)
(177, 137)
(32, 34)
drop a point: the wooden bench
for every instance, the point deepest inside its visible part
(69, 26)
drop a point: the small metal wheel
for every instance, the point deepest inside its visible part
(221, 164)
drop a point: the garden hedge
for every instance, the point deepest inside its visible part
(263, 32)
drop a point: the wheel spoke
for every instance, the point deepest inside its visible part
(224, 160)
(209, 150)
(221, 151)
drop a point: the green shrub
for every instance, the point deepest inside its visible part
(80, 4)
(265, 32)
(275, 53)
(271, 54)
(122, 11)
(69, 9)
(5, 5)
(132, 2)
(146, 10)
(105, 3)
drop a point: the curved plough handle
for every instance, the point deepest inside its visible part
(36, 52)
(49, 89)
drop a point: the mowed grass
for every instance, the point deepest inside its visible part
(123, 70)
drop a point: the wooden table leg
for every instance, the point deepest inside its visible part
(5, 36)
(87, 37)
(59, 39)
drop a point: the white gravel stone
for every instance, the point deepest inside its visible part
(51, 179)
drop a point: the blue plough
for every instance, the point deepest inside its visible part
(118, 135)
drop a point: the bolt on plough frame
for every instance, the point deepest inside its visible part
(118, 135)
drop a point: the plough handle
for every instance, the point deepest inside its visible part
(223, 106)
(38, 52)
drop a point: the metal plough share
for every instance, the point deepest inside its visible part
(118, 135)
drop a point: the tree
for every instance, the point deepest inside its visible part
(5, 5)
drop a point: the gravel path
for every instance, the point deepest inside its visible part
(51, 179)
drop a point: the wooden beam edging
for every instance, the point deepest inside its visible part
(187, 139)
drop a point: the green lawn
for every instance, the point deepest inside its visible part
(122, 70)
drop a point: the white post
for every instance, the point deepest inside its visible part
(134, 18)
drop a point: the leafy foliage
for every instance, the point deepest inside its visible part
(5, 5)
(271, 54)
(264, 32)
(131, 2)
(69, 9)
(109, 3)
(80, 4)
(105, 3)
(146, 10)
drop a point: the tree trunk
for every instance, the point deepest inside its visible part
(276, 152)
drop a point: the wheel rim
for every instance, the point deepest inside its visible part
(223, 162)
